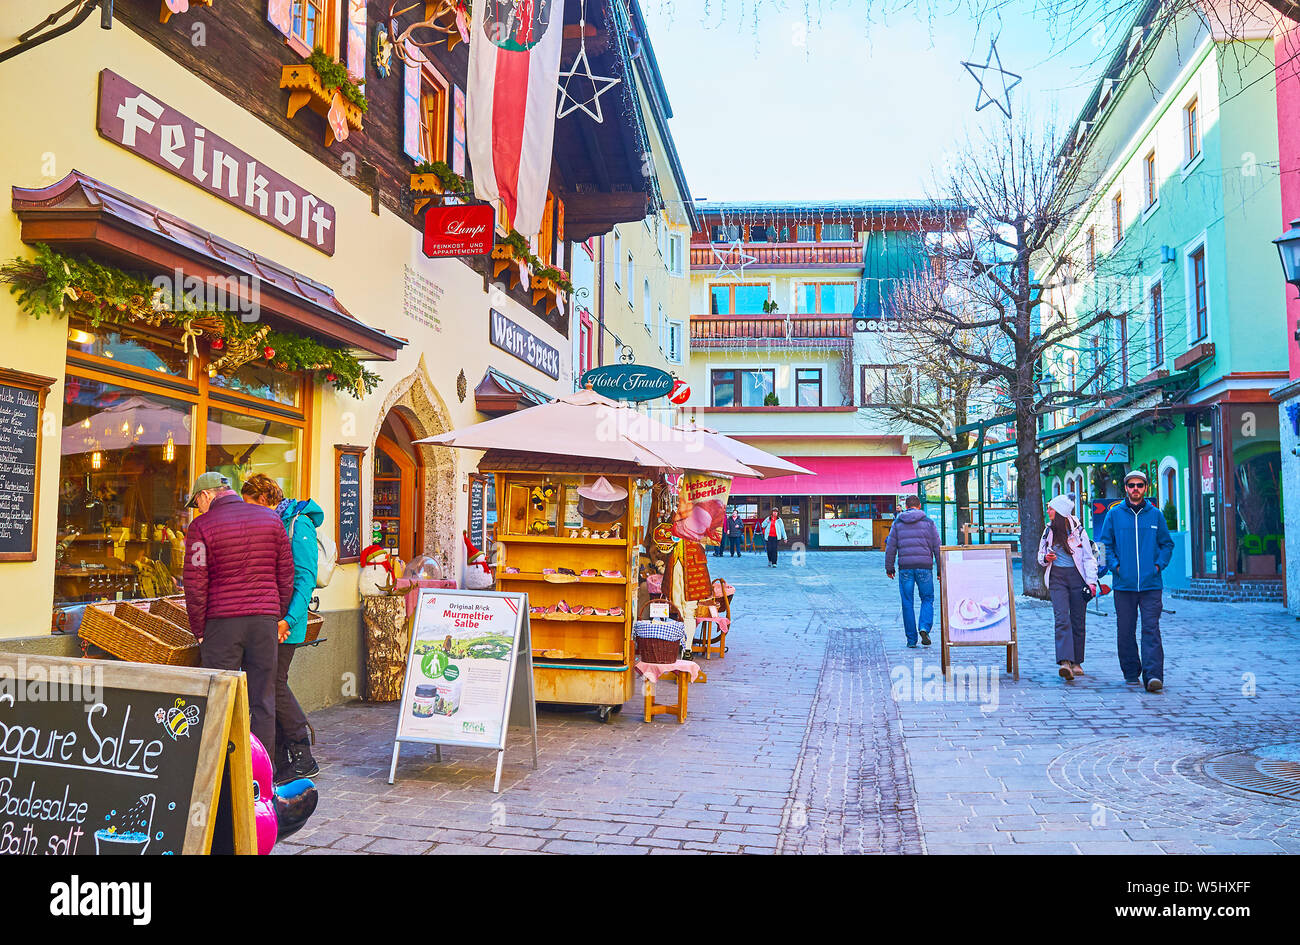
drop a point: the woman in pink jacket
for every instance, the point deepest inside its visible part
(1071, 566)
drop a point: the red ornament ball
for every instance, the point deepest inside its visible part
(268, 352)
(680, 393)
(217, 344)
(331, 377)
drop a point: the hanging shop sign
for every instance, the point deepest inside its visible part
(1102, 453)
(22, 401)
(629, 382)
(459, 231)
(701, 512)
(470, 661)
(523, 344)
(132, 118)
(662, 536)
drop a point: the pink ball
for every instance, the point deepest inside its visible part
(268, 827)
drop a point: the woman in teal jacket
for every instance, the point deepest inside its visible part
(301, 518)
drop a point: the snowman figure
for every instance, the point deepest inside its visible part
(380, 570)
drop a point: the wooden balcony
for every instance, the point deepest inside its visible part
(795, 331)
(780, 255)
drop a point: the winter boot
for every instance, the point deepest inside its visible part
(301, 764)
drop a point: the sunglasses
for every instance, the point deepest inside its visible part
(1135, 485)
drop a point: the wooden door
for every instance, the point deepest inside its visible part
(395, 497)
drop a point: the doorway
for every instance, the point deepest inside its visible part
(398, 509)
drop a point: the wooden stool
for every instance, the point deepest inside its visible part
(653, 708)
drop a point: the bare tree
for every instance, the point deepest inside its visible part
(996, 316)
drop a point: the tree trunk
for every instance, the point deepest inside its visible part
(387, 636)
(1029, 478)
(961, 495)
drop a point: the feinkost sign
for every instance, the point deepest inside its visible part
(629, 382)
(134, 119)
(459, 231)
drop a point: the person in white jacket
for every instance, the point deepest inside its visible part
(773, 531)
(1066, 553)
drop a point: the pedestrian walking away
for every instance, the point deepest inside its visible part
(301, 518)
(913, 544)
(238, 584)
(773, 532)
(1071, 578)
(1138, 549)
(735, 531)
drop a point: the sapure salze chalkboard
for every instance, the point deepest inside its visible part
(109, 774)
(20, 429)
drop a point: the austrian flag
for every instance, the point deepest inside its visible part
(514, 65)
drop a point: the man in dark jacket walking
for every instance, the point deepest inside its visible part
(238, 584)
(914, 541)
(735, 529)
(1138, 548)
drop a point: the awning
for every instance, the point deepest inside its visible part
(835, 475)
(83, 215)
(500, 393)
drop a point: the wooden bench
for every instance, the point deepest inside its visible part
(653, 708)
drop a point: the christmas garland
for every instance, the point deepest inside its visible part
(334, 75)
(54, 284)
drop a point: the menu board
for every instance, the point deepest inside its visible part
(347, 460)
(22, 399)
(477, 527)
(112, 759)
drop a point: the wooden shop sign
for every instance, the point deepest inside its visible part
(134, 119)
(523, 344)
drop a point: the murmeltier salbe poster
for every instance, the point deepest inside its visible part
(460, 669)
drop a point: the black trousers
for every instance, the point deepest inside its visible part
(1149, 662)
(247, 643)
(771, 550)
(290, 720)
(733, 542)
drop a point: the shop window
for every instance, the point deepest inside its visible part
(124, 472)
(127, 346)
(1256, 516)
(240, 444)
(264, 382)
(808, 387)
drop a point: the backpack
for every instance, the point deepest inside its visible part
(327, 553)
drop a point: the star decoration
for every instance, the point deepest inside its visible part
(983, 99)
(734, 261)
(599, 86)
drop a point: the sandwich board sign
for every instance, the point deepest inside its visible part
(112, 758)
(977, 601)
(465, 678)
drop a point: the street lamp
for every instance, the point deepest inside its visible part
(1288, 247)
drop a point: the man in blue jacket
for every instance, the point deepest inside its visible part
(1138, 548)
(914, 543)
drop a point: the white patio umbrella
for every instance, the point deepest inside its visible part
(586, 424)
(764, 463)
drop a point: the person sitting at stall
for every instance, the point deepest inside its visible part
(293, 759)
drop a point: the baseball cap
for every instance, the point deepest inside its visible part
(209, 480)
(1136, 474)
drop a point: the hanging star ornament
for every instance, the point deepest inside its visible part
(599, 86)
(734, 261)
(982, 98)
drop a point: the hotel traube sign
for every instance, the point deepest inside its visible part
(161, 135)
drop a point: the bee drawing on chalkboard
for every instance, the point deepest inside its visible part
(180, 717)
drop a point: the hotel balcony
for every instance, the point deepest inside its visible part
(781, 255)
(771, 331)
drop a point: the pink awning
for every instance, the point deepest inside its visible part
(835, 475)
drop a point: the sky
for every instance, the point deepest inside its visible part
(859, 99)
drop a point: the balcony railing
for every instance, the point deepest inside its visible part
(731, 331)
(778, 255)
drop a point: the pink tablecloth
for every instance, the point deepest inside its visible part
(652, 671)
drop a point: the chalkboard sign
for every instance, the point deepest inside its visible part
(347, 463)
(119, 759)
(477, 527)
(22, 401)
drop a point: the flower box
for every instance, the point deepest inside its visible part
(305, 88)
(425, 184)
(505, 259)
(546, 289)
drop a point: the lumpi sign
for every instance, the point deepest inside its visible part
(1102, 452)
(459, 231)
(137, 121)
(629, 382)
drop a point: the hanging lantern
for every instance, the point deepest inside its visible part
(169, 448)
(97, 460)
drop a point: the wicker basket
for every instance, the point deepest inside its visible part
(130, 632)
(172, 610)
(652, 650)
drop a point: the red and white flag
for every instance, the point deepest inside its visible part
(514, 66)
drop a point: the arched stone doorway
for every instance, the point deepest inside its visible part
(411, 411)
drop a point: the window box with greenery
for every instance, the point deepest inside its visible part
(435, 178)
(550, 283)
(321, 84)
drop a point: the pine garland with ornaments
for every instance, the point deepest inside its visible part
(57, 285)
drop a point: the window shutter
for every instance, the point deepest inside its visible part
(356, 42)
(411, 104)
(559, 230)
(279, 14)
(546, 235)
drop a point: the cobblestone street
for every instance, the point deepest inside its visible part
(796, 745)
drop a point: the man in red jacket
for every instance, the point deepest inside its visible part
(238, 585)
